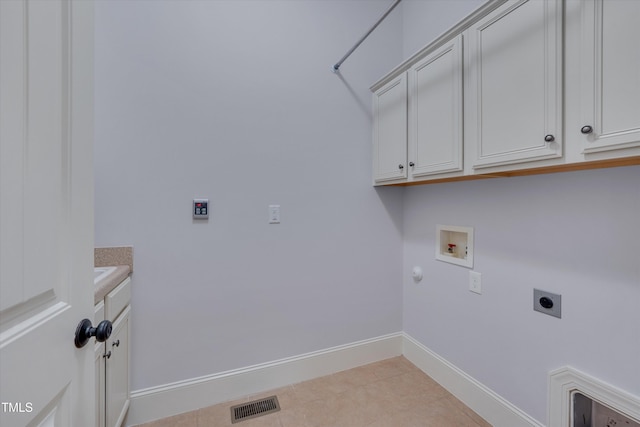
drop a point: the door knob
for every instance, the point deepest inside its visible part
(85, 331)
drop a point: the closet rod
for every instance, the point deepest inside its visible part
(336, 67)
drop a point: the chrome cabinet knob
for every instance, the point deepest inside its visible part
(549, 138)
(586, 129)
(400, 166)
(412, 164)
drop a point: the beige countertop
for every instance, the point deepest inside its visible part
(109, 283)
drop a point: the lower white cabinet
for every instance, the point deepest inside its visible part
(117, 371)
(112, 358)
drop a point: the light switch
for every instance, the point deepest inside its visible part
(475, 282)
(274, 214)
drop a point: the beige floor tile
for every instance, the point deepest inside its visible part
(309, 391)
(189, 419)
(390, 367)
(390, 393)
(292, 418)
(356, 376)
(217, 415)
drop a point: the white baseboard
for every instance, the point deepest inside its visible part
(485, 402)
(184, 396)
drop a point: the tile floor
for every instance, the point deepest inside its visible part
(390, 393)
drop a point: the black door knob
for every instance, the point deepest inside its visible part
(85, 331)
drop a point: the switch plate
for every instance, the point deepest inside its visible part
(475, 282)
(547, 303)
(200, 209)
(274, 214)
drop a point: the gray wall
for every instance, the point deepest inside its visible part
(235, 101)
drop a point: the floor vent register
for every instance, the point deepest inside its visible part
(254, 409)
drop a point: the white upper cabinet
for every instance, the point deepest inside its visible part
(435, 112)
(513, 93)
(518, 87)
(390, 131)
(610, 69)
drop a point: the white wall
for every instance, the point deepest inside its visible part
(235, 101)
(575, 234)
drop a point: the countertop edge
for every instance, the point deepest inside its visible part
(109, 283)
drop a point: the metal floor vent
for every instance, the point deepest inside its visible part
(254, 409)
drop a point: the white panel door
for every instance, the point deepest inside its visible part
(390, 131)
(514, 92)
(435, 111)
(610, 88)
(46, 212)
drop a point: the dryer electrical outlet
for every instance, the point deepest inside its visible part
(547, 303)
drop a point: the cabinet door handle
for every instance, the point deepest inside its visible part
(400, 166)
(107, 355)
(116, 344)
(586, 129)
(412, 164)
(549, 138)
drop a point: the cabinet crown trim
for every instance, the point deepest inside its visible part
(445, 37)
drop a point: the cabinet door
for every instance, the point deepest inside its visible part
(610, 87)
(117, 371)
(390, 131)
(514, 91)
(435, 112)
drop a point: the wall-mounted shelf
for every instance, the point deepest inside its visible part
(454, 244)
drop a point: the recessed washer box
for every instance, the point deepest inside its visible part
(454, 244)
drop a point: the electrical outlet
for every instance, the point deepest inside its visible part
(475, 282)
(547, 303)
